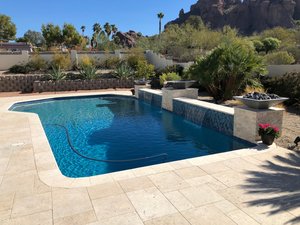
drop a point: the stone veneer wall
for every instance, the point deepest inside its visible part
(74, 85)
(216, 119)
(152, 97)
(23, 83)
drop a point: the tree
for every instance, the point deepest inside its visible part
(82, 29)
(34, 37)
(97, 28)
(271, 44)
(52, 35)
(228, 69)
(107, 28)
(71, 37)
(160, 17)
(8, 29)
(114, 29)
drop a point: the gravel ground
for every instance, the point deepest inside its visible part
(291, 128)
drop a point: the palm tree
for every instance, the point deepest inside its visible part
(82, 29)
(114, 28)
(160, 17)
(97, 28)
(107, 29)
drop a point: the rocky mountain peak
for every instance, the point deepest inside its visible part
(247, 16)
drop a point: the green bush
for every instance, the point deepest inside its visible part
(23, 69)
(133, 60)
(258, 45)
(124, 71)
(144, 70)
(168, 77)
(287, 85)
(62, 61)
(88, 72)
(228, 69)
(56, 74)
(279, 58)
(172, 69)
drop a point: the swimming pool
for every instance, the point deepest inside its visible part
(101, 134)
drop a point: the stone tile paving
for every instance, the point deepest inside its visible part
(252, 186)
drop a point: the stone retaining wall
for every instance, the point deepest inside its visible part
(74, 85)
(23, 83)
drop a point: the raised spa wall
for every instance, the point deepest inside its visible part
(241, 122)
(184, 102)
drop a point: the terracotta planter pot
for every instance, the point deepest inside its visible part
(267, 139)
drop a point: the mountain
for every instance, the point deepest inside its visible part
(247, 16)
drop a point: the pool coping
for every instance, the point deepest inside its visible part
(49, 172)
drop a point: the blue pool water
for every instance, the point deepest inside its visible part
(82, 130)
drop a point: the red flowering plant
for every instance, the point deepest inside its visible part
(268, 129)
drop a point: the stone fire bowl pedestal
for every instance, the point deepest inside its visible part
(246, 121)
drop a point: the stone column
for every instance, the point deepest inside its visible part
(138, 87)
(168, 94)
(246, 121)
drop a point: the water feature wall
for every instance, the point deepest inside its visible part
(219, 118)
(202, 113)
(152, 97)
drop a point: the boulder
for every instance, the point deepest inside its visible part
(128, 39)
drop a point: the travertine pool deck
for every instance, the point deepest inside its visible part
(249, 186)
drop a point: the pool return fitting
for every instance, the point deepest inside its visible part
(164, 155)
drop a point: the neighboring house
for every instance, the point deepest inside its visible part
(15, 46)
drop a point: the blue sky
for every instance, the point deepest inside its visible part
(138, 15)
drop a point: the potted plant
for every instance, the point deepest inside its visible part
(268, 133)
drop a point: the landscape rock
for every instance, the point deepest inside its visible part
(128, 39)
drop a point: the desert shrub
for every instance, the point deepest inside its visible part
(88, 72)
(74, 76)
(62, 61)
(124, 71)
(144, 70)
(56, 74)
(135, 55)
(168, 77)
(258, 45)
(37, 63)
(228, 69)
(172, 69)
(86, 61)
(287, 85)
(295, 52)
(111, 63)
(23, 69)
(279, 58)
(133, 60)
